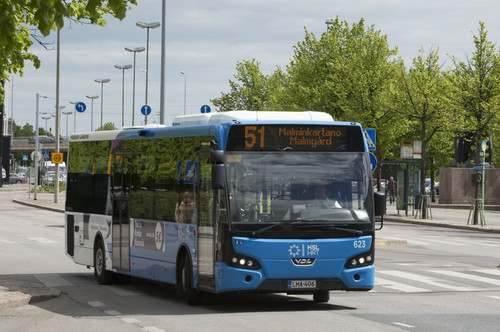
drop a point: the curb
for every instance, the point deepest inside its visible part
(430, 222)
(15, 293)
(40, 206)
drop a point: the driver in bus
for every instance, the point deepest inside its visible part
(184, 210)
(321, 199)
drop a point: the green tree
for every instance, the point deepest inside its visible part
(251, 91)
(421, 98)
(476, 91)
(348, 73)
(107, 126)
(21, 21)
(476, 96)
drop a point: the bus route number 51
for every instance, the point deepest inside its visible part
(253, 135)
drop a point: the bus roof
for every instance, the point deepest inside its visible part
(225, 117)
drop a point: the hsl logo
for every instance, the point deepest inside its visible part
(303, 250)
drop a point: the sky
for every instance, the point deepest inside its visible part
(206, 39)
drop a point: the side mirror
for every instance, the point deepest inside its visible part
(217, 157)
(379, 201)
(218, 176)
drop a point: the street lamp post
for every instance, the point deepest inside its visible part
(74, 117)
(134, 50)
(123, 68)
(67, 116)
(183, 73)
(147, 26)
(46, 118)
(102, 81)
(92, 111)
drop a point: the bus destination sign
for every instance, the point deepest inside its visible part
(295, 138)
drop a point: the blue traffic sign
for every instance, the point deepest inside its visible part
(370, 136)
(46, 155)
(373, 161)
(205, 109)
(80, 107)
(145, 110)
(25, 157)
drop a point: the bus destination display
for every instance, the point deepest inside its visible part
(296, 138)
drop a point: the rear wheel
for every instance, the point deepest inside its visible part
(321, 296)
(191, 295)
(103, 276)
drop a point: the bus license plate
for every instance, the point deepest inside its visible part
(301, 283)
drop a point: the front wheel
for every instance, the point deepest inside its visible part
(187, 290)
(103, 276)
(321, 296)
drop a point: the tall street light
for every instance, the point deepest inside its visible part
(147, 26)
(102, 81)
(123, 68)
(183, 73)
(92, 111)
(46, 118)
(134, 50)
(67, 116)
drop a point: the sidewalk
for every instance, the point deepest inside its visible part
(448, 215)
(15, 293)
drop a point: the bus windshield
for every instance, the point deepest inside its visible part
(296, 188)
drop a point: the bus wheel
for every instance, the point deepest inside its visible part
(191, 295)
(103, 276)
(321, 296)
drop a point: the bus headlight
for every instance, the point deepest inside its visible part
(364, 259)
(242, 261)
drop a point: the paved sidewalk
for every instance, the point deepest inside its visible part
(448, 215)
(15, 293)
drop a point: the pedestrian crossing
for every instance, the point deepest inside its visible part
(437, 280)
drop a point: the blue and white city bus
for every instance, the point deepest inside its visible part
(257, 202)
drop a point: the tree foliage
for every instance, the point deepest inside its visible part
(107, 126)
(421, 97)
(476, 95)
(254, 92)
(21, 21)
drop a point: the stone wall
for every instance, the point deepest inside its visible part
(456, 186)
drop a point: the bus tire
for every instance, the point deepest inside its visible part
(191, 295)
(321, 296)
(103, 276)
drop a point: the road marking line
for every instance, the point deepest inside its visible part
(152, 329)
(123, 290)
(52, 280)
(403, 325)
(42, 240)
(112, 313)
(399, 286)
(489, 271)
(129, 320)
(467, 276)
(96, 304)
(428, 280)
(493, 297)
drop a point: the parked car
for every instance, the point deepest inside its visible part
(17, 178)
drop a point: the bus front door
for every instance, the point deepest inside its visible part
(121, 185)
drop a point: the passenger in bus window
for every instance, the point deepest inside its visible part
(185, 209)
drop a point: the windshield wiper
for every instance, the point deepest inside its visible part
(263, 229)
(322, 225)
(300, 224)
